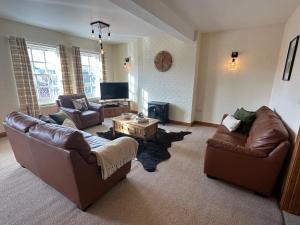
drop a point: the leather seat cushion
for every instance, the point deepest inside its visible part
(21, 121)
(95, 141)
(85, 134)
(234, 138)
(90, 115)
(267, 132)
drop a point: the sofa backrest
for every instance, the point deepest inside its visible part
(63, 137)
(267, 131)
(21, 121)
(66, 100)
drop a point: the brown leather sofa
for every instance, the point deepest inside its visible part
(251, 160)
(61, 157)
(93, 116)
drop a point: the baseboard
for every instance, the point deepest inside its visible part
(206, 124)
(2, 134)
(180, 123)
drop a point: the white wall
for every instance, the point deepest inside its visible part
(286, 94)
(9, 100)
(222, 91)
(174, 86)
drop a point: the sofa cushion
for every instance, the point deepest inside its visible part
(267, 131)
(247, 118)
(95, 142)
(62, 137)
(69, 123)
(59, 117)
(265, 111)
(89, 115)
(47, 119)
(236, 138)
(85, 134)
(231, 123)
(66, 100)
(21, 121)
(80, 104)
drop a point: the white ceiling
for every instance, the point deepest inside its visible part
(215, 15)
(73, 17)
(129, 22)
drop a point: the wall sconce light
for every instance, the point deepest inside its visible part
(233, 64)
(127, 64)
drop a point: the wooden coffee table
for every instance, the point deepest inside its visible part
(133, 128)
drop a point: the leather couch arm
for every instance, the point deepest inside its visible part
(226, 146)
(95, 107)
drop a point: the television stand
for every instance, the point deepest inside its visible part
(113, 108)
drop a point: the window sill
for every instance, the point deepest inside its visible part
(47, 105)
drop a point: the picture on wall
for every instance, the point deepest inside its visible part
(290, 59)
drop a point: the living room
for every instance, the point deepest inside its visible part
(198, 59)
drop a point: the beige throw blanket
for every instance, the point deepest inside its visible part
(115, 154)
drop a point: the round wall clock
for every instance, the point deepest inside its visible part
(163, 61)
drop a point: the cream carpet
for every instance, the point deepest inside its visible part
(179, 193)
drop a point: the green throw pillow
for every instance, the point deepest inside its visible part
(59, 117)
(247, 118)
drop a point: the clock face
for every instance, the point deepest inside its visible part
(163, 61)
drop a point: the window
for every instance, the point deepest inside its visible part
(46, 72)
(92, 74)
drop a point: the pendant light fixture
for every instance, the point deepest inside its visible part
(99, 26)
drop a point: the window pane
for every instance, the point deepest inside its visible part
(47, 74)
(51, 56)
(91, 74)
(39, 68)
(44, 92)
(85, 69)
(38, 55)
(42, 80)
(84, 60)
(94, 61)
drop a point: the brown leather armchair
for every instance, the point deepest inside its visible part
(252, 160)
(93, 116)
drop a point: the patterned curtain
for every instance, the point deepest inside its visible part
(66, 76)
(77, 69)
(23, 76)
(104, 78)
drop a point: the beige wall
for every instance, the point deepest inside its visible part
(8, 95)
(286, 94)
(175, 86)
(120, 51)
(222, 91)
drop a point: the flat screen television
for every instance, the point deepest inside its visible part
(114, 90)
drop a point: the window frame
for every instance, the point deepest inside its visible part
(44, 48)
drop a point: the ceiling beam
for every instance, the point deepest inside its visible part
(159, 15)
